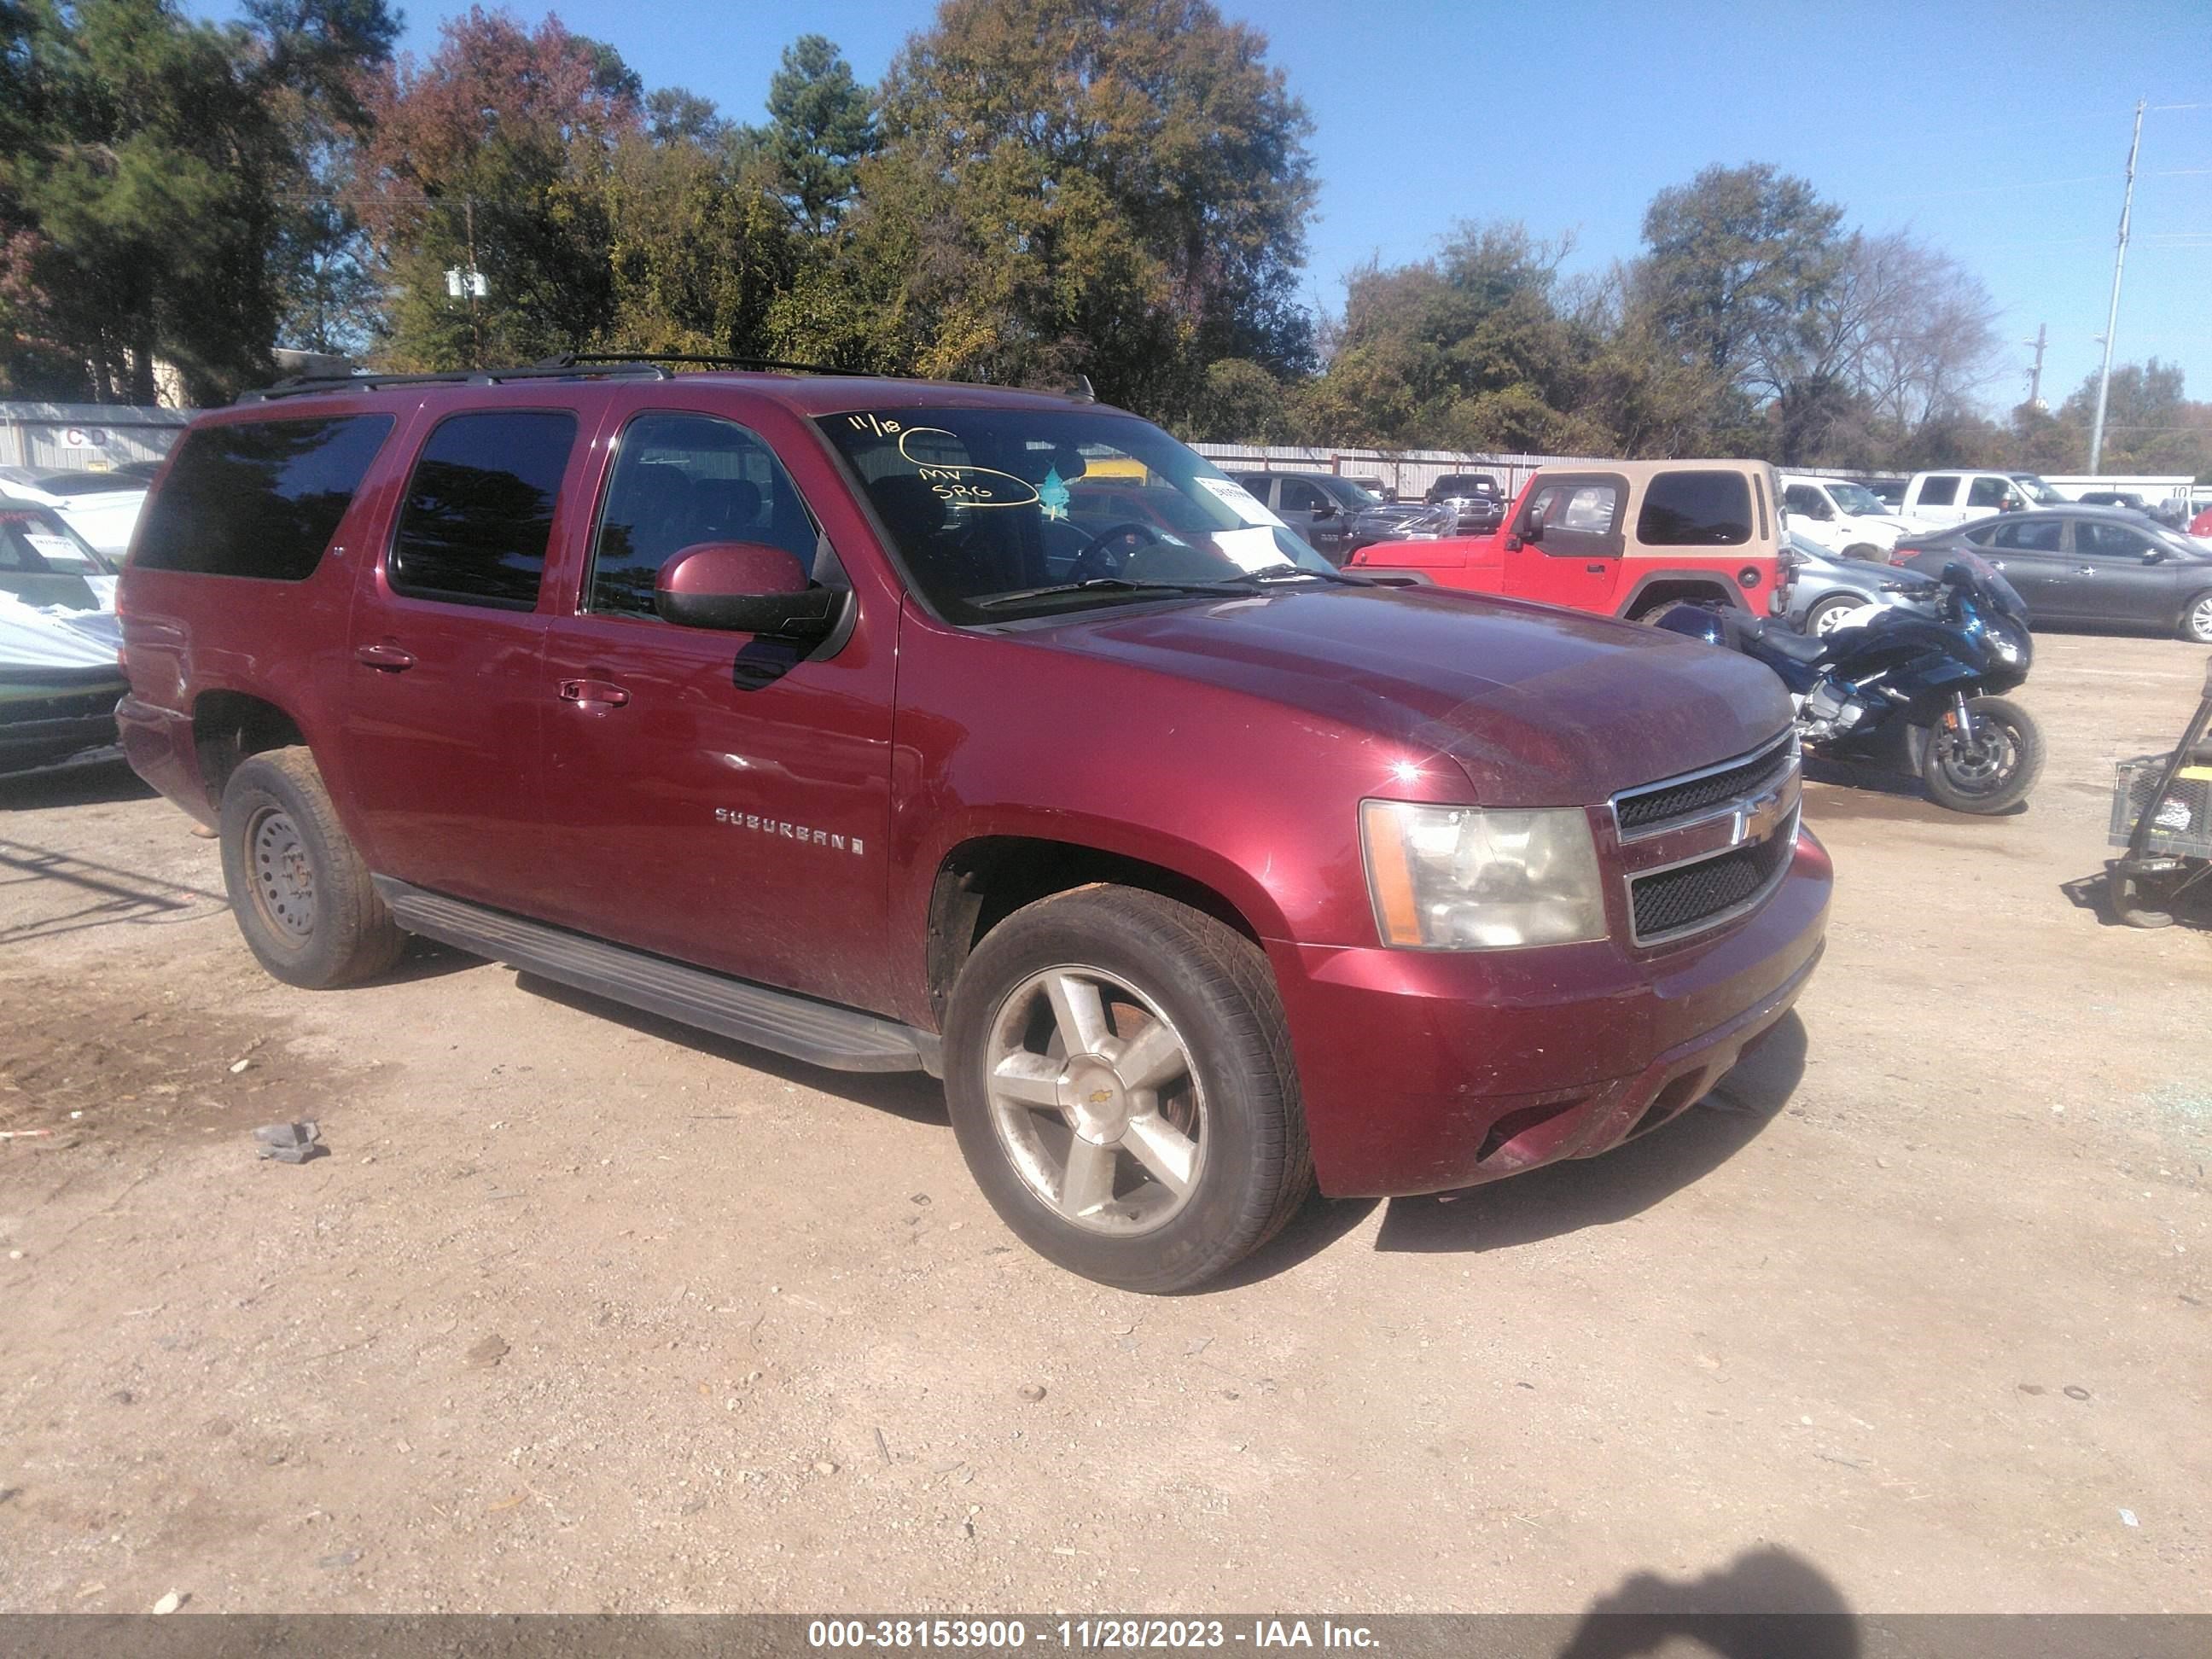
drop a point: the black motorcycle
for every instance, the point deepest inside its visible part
(1914, 689)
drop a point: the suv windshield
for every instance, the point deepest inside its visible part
(1855, 498)
(998, 514)
(2036, 491)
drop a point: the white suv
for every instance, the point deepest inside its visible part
(1845, 518)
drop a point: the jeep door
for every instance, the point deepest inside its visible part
(709, 795)
(442, 709)
(1563, 543)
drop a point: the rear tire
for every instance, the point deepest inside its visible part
(2000, 769)
(1163, 1140)
(299, 888)
(2197, 619)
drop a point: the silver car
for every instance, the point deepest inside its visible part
(1825, 588)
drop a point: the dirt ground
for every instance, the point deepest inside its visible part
(583, 1312)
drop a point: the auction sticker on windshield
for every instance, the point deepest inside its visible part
(1240, 500)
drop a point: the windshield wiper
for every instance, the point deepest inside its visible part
(1102, 585)
(1283, 572)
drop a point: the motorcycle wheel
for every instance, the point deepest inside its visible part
(1994, 770)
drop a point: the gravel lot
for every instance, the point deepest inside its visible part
(585, 1312)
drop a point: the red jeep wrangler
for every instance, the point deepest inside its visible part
(823, 714)
(1620, 538)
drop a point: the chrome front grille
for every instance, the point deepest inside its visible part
(1699, 850)
(1656, 808)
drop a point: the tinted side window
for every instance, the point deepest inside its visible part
(261, 499)
(479, 509)
(1299, 496)
(1695, 509)
(680, 480)
(1938, 491)
(2110, 541)
(1986, 492)
(2038, 535)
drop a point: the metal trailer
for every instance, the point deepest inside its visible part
(2162, 816)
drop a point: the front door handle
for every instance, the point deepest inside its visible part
(392, 659)
(2087, 571)
(1593, 570)
(593, 693)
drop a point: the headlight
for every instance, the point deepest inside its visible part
(1460, 878)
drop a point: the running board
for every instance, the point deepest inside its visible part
(819, 1033)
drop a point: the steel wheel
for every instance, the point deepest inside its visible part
(283, 875)
(1095, 1099)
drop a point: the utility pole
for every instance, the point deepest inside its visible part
(475, 326)
(2035, 375)
(2112, 315)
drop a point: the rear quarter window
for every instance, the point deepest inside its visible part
(262, 498)
(1938, 491)
(1695, 509)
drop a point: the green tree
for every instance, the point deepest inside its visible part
(1739, 260)
(1469, 349)
(143, 167)
(822, 126)
(1117, 188)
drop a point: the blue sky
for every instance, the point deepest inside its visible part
(1996, 132)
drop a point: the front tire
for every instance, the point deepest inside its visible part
(1866, 550)
(1119, 1074)
(1995, 772)
(2197, 619)
(299, 891)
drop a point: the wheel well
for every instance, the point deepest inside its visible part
(229, 726)
(1649, 598)
(983, 881)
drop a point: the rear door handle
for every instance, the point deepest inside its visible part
(390, 658)
(593, 693)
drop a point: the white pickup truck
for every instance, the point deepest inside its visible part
(1845, 518)
(1959, 495)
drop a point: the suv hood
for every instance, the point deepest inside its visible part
(1540, 708)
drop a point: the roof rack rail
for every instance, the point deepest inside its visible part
(710, 361)
(303, 385)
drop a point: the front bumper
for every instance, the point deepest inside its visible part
(1422, 1071)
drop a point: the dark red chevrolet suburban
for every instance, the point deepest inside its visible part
(843, 717)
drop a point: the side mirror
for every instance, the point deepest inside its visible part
(744, 587)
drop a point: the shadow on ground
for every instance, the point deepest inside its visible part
(101, 777)
(1598, 1192)
(915, 1096)
(1767, 1604)
(2193, 908)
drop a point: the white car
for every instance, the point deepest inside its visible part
(1960, 495)
(1845, 518)
(100, 506)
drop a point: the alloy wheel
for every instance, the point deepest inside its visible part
(1095, 1100)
